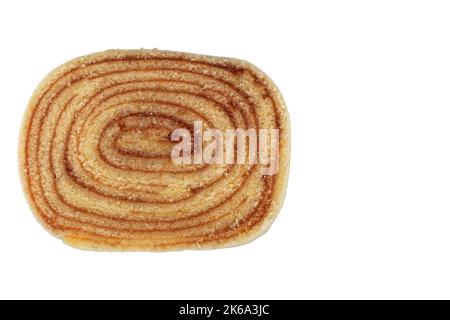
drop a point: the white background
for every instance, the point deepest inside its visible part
(367, 84)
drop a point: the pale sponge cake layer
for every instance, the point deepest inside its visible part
(95, 152)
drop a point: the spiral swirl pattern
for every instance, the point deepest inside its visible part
(95, 152)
